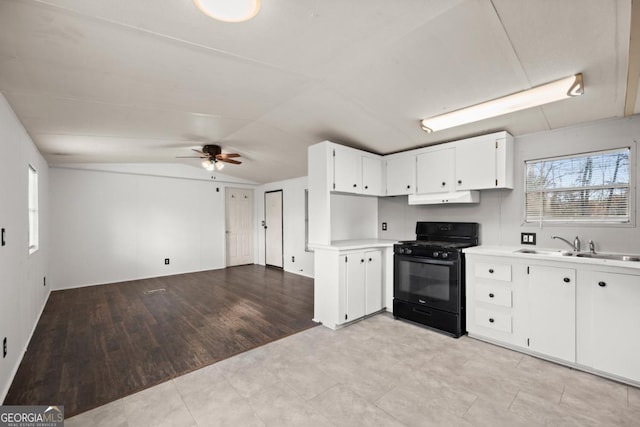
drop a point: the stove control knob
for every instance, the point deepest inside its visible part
(445, 255)
(407, 251)
(436, 254)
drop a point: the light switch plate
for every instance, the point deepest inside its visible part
(528, 238)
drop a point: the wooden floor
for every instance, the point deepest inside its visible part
(96, 344)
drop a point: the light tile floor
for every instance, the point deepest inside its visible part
(377, 372)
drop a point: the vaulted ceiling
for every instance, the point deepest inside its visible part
(133, 81)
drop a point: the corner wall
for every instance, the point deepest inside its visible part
(22, 293)
(501, 212)
(119, 222)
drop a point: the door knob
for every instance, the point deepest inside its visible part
(566, 280)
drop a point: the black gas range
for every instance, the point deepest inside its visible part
(429, 275)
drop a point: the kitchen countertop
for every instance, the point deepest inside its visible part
(511, 251)
(346, 245)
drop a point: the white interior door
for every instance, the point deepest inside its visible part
(273, 228)
(239, 218)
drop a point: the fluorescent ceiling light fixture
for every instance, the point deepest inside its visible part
(555, 91)
(229, 10)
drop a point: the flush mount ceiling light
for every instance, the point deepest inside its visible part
(229, 10)
(555, 91)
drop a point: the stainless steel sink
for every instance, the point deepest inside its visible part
(616, 257)
(544, 252)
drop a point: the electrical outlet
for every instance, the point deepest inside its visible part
(3, 241)
(528, 238)
(4, 347)
(293, 259)
(384, 226)
(166, 261)
(44, 281)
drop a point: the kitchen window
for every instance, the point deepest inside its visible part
(33, 210)
(582, 188)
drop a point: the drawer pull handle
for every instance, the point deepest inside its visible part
(566, 280)
(491, 295)
(491, 270)
(602, 284)
(491, 320)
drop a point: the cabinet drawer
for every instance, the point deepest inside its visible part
(493, 320)
(496, 294)
(493, 271)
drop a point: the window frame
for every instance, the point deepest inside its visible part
(630, 222)
(33, 209)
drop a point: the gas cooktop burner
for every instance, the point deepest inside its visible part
(434, 244)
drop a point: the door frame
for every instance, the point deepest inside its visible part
(281, 227)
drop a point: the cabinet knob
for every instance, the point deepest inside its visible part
(366, 187)
(491, 295)
(491, 270)
(459, 181)
(444, 183)
(355, 185)
(491, 320)
(602, 284)
(566, 280)
(370, 260)
(362, 260)
(408, 187)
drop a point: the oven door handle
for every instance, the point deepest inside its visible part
(423, 260)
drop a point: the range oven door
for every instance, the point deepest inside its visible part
(428, 282)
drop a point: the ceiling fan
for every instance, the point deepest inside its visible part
(213, 157)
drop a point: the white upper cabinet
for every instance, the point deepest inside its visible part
(347, 169)
(401, 174)
(484, 162)
(372, 176)
(435, 171)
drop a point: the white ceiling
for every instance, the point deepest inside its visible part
(146, 80)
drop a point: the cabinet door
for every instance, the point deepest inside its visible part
(476, 164)
(401, 175)
(355, 286)
(371, 176)
(552, 312)
(435, 171)
(615, 318)
(373, 281)
(347, 170)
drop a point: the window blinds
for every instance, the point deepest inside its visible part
(592, 187)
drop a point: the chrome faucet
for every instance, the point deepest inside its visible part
(575, 245)
(592, 247)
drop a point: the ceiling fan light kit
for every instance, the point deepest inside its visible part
(213, 157)
(567, 87)
(229, 10)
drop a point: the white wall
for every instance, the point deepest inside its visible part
(353, 217)
(22, 294)
(112, 226)
(293, 211)
(500, 212)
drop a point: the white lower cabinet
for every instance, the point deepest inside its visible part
(563, 311)
(552, 312)
(362, 275)
(350, 284)
(609, 323)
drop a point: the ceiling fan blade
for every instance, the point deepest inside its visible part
(227, 155)
(199, 152)
(235, 162)
(191, 157)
